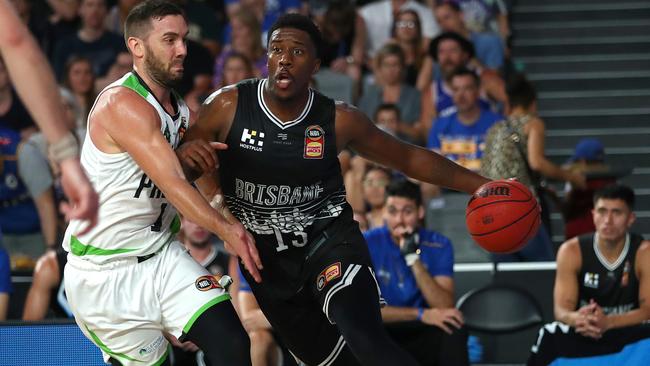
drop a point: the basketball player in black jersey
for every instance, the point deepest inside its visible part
(281, 178)
(602, 285)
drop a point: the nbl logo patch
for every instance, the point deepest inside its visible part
(206, 283)
(330, 273)
(314, 142)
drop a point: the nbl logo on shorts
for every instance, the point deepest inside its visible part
(205, 283)
(332, 272)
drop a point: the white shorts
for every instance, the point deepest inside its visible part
(124, 306)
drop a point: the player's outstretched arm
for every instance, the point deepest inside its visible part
(355, 130)
(134, 127)
(39, 91)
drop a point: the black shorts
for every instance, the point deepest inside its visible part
(301, 320)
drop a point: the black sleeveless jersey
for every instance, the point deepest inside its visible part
(283, 180)
(615, 286)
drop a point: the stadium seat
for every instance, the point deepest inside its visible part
(499, 309)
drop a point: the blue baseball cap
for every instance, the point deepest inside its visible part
(589, 150)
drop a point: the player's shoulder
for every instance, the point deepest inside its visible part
(570, 252)
(644, 250)
(223, 97)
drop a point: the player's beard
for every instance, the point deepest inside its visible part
(159, 71)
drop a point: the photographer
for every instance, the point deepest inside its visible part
(414, 269)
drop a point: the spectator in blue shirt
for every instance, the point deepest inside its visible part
(414, 270)
(459, 135)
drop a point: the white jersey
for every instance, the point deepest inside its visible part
(135, 219)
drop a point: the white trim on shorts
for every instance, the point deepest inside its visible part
(346, 281)
(335, 352)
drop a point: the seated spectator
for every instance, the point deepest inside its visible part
(601, 286)
(5, 282)
(414, 269)
(196, 83)
(343, 39)
(205, 25)
(265, 349)
(266, 12)
(246, 41)
(63, 21)
(236, 67)
(46, 296)
(514, 148)
(13, 114)
(117, 15)
(209, 251)
(452, 51)
(79, 78)
(365, 186)
(588, 158)
(389, 118)
(378, 18)
(123, 64)
(407, 33)
(489, 48)
(460, 135)
(485, 16)
(92, 40)
(390, 88)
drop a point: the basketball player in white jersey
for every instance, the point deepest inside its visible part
(128, 281)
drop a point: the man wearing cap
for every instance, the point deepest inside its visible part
(588, 158)
(451, 51)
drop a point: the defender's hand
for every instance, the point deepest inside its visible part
(242, 243)
(200, 155)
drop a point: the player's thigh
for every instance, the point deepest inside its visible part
(116, 307)
(302, 328)
(186, 289)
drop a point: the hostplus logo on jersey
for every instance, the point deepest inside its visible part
(591, 280)
(252, 140)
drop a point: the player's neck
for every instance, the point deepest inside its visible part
(611, 249)
(286, 109)
(162, 93)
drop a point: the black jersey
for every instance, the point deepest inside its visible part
(283, 180)
(614, 286)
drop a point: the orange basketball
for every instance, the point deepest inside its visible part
(502, 216)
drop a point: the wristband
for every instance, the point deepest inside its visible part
(65, 148)
(411, 258)
(420, 313)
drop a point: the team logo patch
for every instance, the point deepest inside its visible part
(625, 279)
(182, 129)
(205, 283)
(314, 142)
(591, 280)
(330, 273)
(252, 140)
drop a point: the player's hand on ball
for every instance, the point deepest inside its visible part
(200, 155)
(443, 318)
(242, 243)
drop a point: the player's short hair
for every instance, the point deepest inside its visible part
(300, 22)
(616, 192)
(138, 22)
(406, 189)
(520, 91)
(463, 71)
(388, 107)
